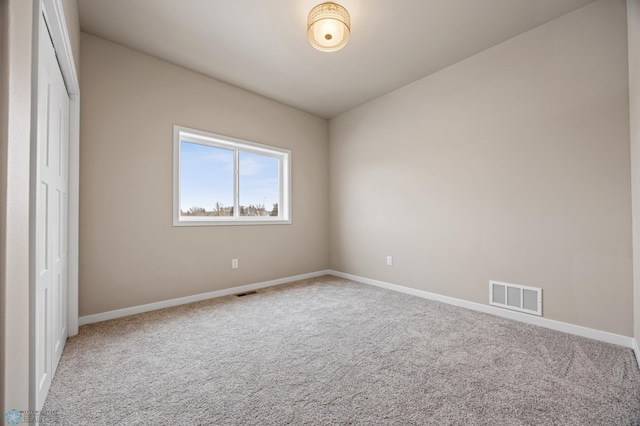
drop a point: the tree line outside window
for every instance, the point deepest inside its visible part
(222, 210)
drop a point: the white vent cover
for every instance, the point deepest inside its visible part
(517, 297)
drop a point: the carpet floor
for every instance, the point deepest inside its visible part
(332, 351)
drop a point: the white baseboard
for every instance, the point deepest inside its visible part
(603, 336)
(118, 313)
(636, 350)
(590, 333)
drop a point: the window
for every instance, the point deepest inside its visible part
(218, 180)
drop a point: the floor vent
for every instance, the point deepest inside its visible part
(246, 294)
(517, 297)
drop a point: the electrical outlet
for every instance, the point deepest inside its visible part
(234, 263)
(389, 260)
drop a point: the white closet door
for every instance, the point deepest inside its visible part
(51, 216)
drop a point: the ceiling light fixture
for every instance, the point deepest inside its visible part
(328, 27)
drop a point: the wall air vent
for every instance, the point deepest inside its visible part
(517, 297)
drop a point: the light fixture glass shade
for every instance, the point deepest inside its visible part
(328, 27)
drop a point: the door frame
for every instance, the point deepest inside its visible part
(54, 16)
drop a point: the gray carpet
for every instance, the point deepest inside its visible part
(331, 351)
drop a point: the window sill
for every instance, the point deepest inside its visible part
(240, 222)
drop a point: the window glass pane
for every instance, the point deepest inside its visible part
(206, 180)
(259, 186)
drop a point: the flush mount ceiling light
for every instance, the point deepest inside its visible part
(328, 27)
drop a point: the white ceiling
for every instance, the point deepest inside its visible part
(261, 45)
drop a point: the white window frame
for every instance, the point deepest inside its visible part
(186, 134)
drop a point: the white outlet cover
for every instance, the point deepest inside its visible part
(389, 260)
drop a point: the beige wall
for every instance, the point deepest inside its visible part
(512, 165)
(633, 29)
(130, 254)
(14, 192)
(4, 89)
